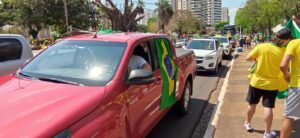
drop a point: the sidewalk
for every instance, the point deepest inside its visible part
(233, 111)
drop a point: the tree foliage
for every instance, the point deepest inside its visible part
(125, 20)
(262, 15)
(152, 25)
(184, 22)
(38, 14)
(219, 26)
(165, 12)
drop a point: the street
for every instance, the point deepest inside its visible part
(172, 126)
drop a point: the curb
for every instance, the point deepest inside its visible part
(209, 133)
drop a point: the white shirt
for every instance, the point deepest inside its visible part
(136, 62)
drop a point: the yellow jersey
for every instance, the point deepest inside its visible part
(267, 72)
(293, 49)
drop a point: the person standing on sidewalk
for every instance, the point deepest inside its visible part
(292, 75)
(264, 82)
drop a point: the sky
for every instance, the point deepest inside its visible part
(233, 6)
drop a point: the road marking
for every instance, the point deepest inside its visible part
(222, 93)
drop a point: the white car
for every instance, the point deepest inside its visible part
(181, 43)
(208, 53)
(15, 51)
(227, 46)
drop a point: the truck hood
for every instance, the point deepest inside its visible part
(203, 53)
(32, 108)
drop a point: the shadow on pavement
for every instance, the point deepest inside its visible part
(173, 126)
(221, 74)
(296, 131)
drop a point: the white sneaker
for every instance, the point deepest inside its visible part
(272, 134)
(248, 127)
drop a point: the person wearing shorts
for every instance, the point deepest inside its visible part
(292, 75)
(264, 81)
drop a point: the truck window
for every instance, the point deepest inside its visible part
(10, 49)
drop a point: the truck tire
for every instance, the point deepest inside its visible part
(182, 106)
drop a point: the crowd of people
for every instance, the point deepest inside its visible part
(276, 63)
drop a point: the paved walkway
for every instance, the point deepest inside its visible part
(233, 110)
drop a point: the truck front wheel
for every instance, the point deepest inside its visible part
(182, 106)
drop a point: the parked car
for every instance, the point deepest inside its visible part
(181, 43)
(227, 46)
(82, 86)
(208, 53)
(14, 52)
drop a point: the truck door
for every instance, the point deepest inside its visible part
(10, 55)
(144, 100)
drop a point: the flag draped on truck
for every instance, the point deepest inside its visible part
(295, 30)
(169, 73)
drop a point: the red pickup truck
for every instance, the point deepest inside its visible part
(82, 87)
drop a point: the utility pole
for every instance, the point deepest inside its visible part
(66, 13)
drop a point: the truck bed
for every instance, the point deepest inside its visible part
(180, 52)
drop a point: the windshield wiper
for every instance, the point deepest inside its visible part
(60, 81)
(25, 75)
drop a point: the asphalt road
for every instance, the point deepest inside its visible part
(173, 126)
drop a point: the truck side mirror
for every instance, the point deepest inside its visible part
(140, 77)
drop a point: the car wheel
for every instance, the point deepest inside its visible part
(182, 106)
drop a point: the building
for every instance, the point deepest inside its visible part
(213, 11)
(225, 14)
(179, 4)
(209, 11)
(196, 7)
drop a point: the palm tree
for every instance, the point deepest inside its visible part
(165, 12)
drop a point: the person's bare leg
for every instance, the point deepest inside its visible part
(268, 118)
(250, 112)
(286, 127)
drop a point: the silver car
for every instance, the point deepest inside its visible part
(15, 51)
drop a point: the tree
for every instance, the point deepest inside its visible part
(184, 22)
(152, 25)
(123, 21)
(165, 12)
(38, 14)
(219, 26)
(259, 15)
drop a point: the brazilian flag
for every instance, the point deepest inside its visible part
(169, 73)
(295, 30)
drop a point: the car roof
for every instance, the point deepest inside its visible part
(116, 37)
(204, 39)
(10, 35)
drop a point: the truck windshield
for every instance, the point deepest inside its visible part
(90, 63)
(201, 45)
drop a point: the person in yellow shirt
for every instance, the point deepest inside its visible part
(292, 75)
(264, 81)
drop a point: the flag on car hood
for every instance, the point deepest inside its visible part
(295, 30)
(169, 73)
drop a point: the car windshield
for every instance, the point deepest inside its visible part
(201, 44)
(222, 39)
(90, 63)
(182, 40)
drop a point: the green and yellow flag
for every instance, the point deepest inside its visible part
(169, 73)
(295, 30)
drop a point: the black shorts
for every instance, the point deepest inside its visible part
(269, 97)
